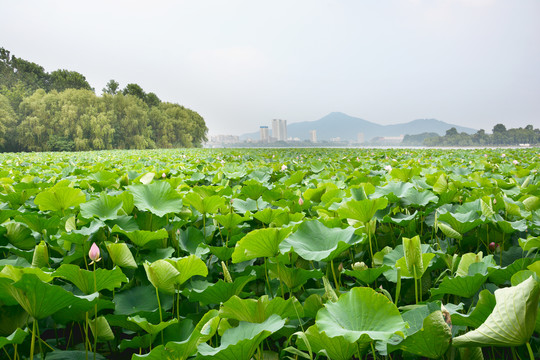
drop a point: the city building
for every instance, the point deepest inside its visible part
(313, 136)
(279, 129)
(265, 137)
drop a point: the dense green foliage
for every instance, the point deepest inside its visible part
(500, 136)
(60, 112)
(240, 254)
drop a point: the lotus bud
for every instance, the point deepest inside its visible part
(360, 266)
(300, 201)
(94, 253)
(163, 175)
(340, 267)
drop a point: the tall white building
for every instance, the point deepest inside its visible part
(313, 135)
(265, 137)
(279, 129)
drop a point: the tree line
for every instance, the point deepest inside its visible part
(59, 111)
(500, 136)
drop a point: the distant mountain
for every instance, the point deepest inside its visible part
(337, 124)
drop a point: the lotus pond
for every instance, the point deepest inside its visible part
(270, 254)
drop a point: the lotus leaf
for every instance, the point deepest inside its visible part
(512, 321)
(361, 315)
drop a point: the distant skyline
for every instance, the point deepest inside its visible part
(241, 64)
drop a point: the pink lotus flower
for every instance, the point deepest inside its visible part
(515, 162)
(300, 201)
(283, 167)
(94, 253)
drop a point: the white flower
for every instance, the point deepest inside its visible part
(503, 155)
(388, 168)
(283, 167)
(223, 161)
(515, 162)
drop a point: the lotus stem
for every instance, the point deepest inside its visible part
(334, 274)
(95, 314)
(370, 247)
(415, 284)
(267, 281)
(33, 342)
(398, 285)
(531, 354)
(160, 315)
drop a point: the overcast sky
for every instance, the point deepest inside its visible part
(240, 63)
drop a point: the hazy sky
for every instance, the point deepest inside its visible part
(240, 64)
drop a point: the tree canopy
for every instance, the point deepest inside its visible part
(60, 112)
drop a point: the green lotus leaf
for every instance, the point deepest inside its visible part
(216, 293)
(465, 286)
(393, 191)
(369, 275)
(426, 260)
(101, 329)
(121, 255)
(11, 318)
(41, 255)
(41, 299)
(361, 315)
(72, 355)
(335, 348)
(141, 237)
(59, 198)
(428, 335)
(105, 207)
(449, 231)
(19, 235)
(259, 243)
(461, 222)
(158, 198)
(162, 275)
(84, 279)
(257, 311)
(151, 328)
(512, 321)
(182, 350)
(240, 343)
(292, 277)
(531, 203)
(471, 353)
(204, 205)
(243, 206)
(39, 222)
(466, 261)
(501, 275)
(230, 221)
(484, 307)
(139, 299)
(188, 267)
(416, 198)
(17, 337)
(314, 241)
(532, 242)
(361, 210)
(412, 250)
